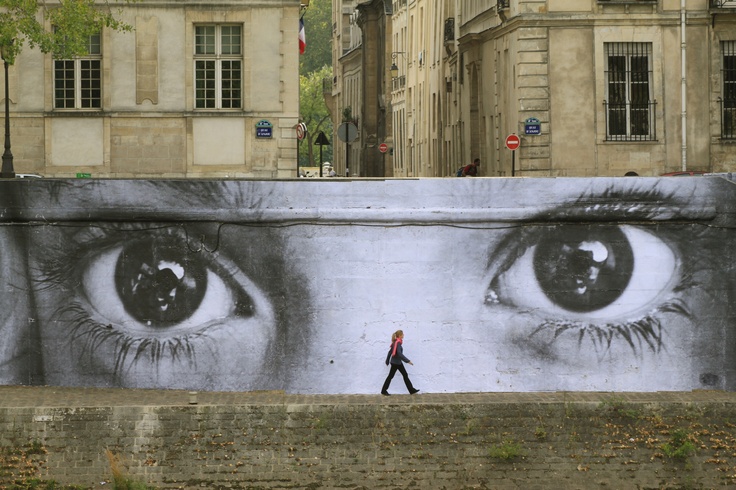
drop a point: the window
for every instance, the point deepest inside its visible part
(728, 101)
(629, 105)
(78, 82)
(218, 66)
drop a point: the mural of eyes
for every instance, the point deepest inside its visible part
(130, 295)
(153, 285)
(586, 273)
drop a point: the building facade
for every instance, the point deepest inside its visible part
(360, 93)
(198, 89)
(588, 87)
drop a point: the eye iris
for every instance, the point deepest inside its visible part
(158, 283)
(583, 270)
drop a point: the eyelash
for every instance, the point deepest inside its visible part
(645, 331)
(62, 268)
(91, 333)
(638, 334)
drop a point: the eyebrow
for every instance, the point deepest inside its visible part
(382, 202)
(630, 204)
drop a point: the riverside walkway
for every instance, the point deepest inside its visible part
(55, 396)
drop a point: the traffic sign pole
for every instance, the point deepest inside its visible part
(512, 143)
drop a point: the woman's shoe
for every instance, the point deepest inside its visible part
(414, 391)
(385, 393)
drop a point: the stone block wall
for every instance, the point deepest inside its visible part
(608, 443)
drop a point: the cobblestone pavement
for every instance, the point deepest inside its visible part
(55, 396)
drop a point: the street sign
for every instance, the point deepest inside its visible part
(264, 129)
(383, 147)
(532, 126)
(84, 175)
(512, 142)
(321, 139)
(301, 131)
(347, 132)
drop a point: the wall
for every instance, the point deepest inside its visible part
(492, 442)
(608, 284)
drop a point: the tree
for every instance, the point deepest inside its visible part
(315, 65)
(314, 113)
(318, 29)
(74, 21)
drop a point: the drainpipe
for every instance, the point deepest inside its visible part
(683, 69)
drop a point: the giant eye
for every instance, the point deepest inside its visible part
(159, 284)
(582, 269)
(155, 284)
(587, 272)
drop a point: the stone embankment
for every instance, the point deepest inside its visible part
(175, 439)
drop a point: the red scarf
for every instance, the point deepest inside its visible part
(396, 345)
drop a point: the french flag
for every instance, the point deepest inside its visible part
(302, 37)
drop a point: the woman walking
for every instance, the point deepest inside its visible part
(397, 359)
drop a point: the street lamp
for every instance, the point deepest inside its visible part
(7, 169)
(395, 69)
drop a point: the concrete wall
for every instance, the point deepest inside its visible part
(610, 284)
(601, 442)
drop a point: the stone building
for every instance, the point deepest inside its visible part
(590, 87)
(198, 89)
(360, 93)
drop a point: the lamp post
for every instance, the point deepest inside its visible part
(7, 170)
(395, 69)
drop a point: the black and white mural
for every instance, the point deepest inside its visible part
(604, 284)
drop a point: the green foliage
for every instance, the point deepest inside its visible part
(36, 447)
(507, 450)
(680, 446)
(315, 65)
(314, 114)
(347, 114)
(618, 407)
(22, 22)
(318, 31)
(129, 484)
(540, 433)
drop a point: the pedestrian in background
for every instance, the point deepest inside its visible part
(472, 169)
(397, 359)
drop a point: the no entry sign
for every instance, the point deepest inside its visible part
(301, 131)
(383, 147)
(512, 142)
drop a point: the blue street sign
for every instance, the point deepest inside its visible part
(264, 129)
(532, 129)
(532, 126)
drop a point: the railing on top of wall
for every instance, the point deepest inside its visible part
(723, 4)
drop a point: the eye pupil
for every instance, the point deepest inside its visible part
(158, 283)
(583, 269)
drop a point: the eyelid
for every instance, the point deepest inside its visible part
(506, 272)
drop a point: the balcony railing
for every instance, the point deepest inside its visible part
(631, 121)
(398, 83)
(723, 4)
(728, 118)
(629, 1)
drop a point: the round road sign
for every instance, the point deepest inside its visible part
(512, 142)
(347, 132)
(383, 147)
(301, 131)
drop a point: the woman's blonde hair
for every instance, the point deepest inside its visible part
(396, 335)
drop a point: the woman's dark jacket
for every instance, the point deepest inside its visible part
(398, 357)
